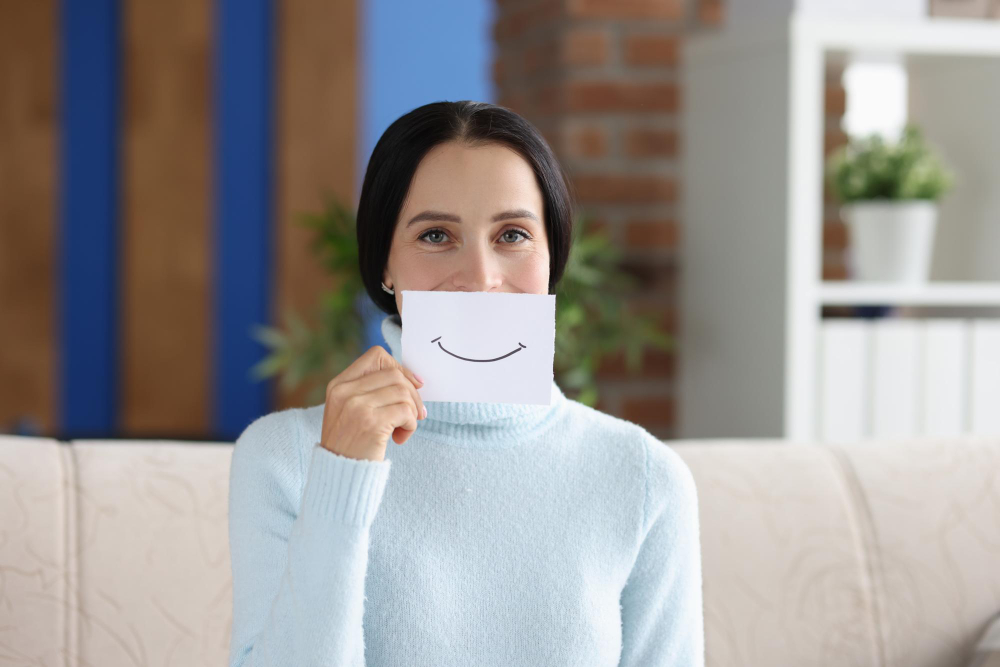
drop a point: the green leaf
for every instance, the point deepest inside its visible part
(870, 168)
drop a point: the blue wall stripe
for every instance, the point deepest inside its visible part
(88, 217)
(402, 69)
(243, 201)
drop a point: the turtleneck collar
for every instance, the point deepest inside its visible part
(470, 423)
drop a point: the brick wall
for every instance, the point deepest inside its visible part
(601, 80)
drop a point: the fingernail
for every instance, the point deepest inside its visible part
(423, 409)
(419, 379)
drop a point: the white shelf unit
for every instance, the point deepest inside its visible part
(751, 293)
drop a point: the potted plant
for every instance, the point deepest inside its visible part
(592, 317)
(889, 194)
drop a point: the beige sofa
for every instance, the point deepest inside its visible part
(115, 553)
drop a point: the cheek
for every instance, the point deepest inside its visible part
(421, 271)
(533, 274)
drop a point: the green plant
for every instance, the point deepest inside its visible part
(871, 168)
(592, 318)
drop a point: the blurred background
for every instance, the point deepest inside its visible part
(155, 159)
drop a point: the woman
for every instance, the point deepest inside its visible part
(507, 534)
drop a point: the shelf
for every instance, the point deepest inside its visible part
(753, 127)
(931, 36)
(850, 293)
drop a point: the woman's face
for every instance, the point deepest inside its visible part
(472, 221)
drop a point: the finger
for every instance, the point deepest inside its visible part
(373, 360)
(402, 419)
(414, 384)
(381, 379)
(391, 394)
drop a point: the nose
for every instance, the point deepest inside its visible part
(477, 269)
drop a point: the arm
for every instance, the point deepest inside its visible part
(662, 614)
(298, 564)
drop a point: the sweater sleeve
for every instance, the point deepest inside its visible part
(299, 554)
(662, 613)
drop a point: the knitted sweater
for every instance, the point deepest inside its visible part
(497, 534)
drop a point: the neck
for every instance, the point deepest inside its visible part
(474, 423)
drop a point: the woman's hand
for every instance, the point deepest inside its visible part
(371, 399)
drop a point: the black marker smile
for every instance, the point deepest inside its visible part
(466, 359)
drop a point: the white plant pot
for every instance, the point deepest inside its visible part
(891, 241)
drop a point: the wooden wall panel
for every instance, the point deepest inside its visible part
(28, 185)
(167, 223)
(317, 127)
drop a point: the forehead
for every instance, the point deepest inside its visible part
(457, 175)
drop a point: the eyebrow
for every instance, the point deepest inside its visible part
(438, 216)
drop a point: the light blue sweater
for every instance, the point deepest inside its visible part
(506, 534)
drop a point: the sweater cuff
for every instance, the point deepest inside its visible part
(339, 488)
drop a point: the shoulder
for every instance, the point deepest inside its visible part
(663, 483)
(605, 431)
(270, 445)
(669, 484)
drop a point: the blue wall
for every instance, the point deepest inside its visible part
(413, 53)
(88, 217)
(410, 54)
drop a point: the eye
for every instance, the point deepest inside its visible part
(517, 232)
(511, 235)
(423, 237)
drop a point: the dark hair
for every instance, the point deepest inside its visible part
(405, 143)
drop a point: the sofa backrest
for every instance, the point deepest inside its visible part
(872, 553)
(881, 553)
(114, 553)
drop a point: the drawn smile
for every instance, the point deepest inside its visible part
(467, 359)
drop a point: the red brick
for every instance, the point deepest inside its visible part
(515, 21)
(835, 235)
(624, 188)
(649, 410)
(711, 12)
(665, 316)
(620, 96)
(599, 227)
(498, 72)
(650, 142)
(652, 50)
(651, 233)
(549, 98)
(834, 271)
(582, 47)
(625, 9)
(832, 140)
(538, 56)
(835, 99)
(653, 277)
(586, 141)
(514, 101)
(655, 363)
(828, 198)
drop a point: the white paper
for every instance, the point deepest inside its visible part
(493, 347)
